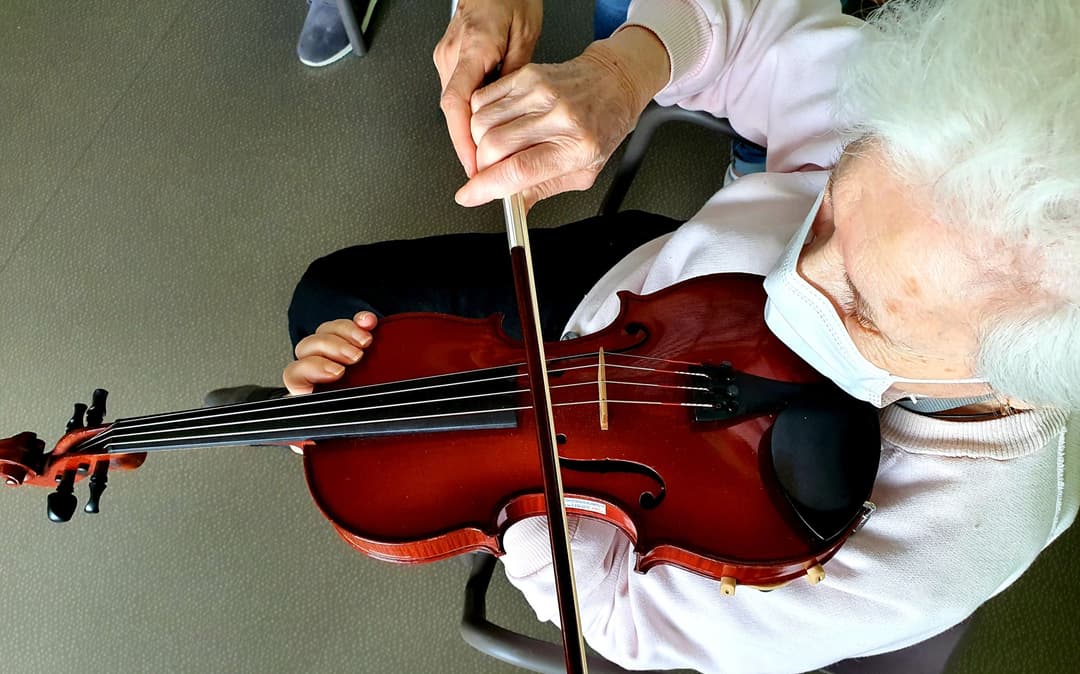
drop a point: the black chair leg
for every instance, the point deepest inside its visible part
(347, 9)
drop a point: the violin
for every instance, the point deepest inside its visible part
(685, 423)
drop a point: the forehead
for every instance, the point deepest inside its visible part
(904, 262)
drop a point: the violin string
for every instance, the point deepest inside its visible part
(137, 429)
(324, 396)
(305, 400)
(346, 394)
(214, 436)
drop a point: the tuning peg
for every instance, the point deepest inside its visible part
(76, 420)
(96, 414)
(62, 502)
(98, 483)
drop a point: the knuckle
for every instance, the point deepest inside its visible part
(585, 180)
(449, 102)
(289, 374)
(589, 146)
(487, 153)
(517, 170)
(548, 92)
(328, 327)
(304, 346)
(467, 20)
(478, 124)
(595, 157)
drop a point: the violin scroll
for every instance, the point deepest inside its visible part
(21, 456)
(23, 460)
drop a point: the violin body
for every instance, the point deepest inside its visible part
(699, 493)
(685, 423)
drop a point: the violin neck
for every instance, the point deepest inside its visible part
(382, 410)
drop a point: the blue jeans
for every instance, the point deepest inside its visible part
(607, 16)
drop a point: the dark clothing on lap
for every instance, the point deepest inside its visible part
(469, 274)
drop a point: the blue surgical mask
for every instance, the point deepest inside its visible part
(806, 321)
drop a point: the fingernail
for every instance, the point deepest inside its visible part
(352, 354)
(463, 198)
(334, 369)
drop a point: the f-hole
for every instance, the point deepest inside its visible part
(646, 499)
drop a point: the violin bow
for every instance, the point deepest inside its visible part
(536, 366)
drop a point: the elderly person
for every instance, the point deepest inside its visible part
(919, 230)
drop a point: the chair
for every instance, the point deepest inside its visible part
(653, 117)
(517, 649)
(354, 27)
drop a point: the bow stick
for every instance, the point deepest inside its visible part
(521, 259)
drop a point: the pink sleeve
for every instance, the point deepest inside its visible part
(769, 66)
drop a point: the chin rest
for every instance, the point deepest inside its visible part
(824, 450)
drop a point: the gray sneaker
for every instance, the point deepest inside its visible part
(249, 393)
(323, 39)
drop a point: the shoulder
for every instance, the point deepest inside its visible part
(962, 511)
(742, 228)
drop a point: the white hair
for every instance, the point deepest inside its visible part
(978, 100)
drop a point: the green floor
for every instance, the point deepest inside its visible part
(167, 171)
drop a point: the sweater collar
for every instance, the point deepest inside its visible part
(1007, 437)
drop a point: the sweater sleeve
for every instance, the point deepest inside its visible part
(950, 532)
(769, 66)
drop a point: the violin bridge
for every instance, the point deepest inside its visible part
(601, 384)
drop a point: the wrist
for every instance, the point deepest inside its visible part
(640, 60)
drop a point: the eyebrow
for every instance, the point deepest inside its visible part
(834, 176)
(860, 306)
(838, 170)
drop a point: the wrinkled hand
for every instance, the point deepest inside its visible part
(321, 358)
(547, 129)
(481, 34)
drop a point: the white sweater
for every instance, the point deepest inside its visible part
(963, 507)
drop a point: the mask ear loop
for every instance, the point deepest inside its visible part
(1006, 403)
(991, 395)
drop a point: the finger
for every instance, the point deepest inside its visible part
(502, 111)
(345, 329)
(467, 76)
(571, 182)
(332, 347)
(300, 376)
(516, 173)
(501, 87)
(516, 135)
(518, 54)
(366, 320)
(445, 56)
